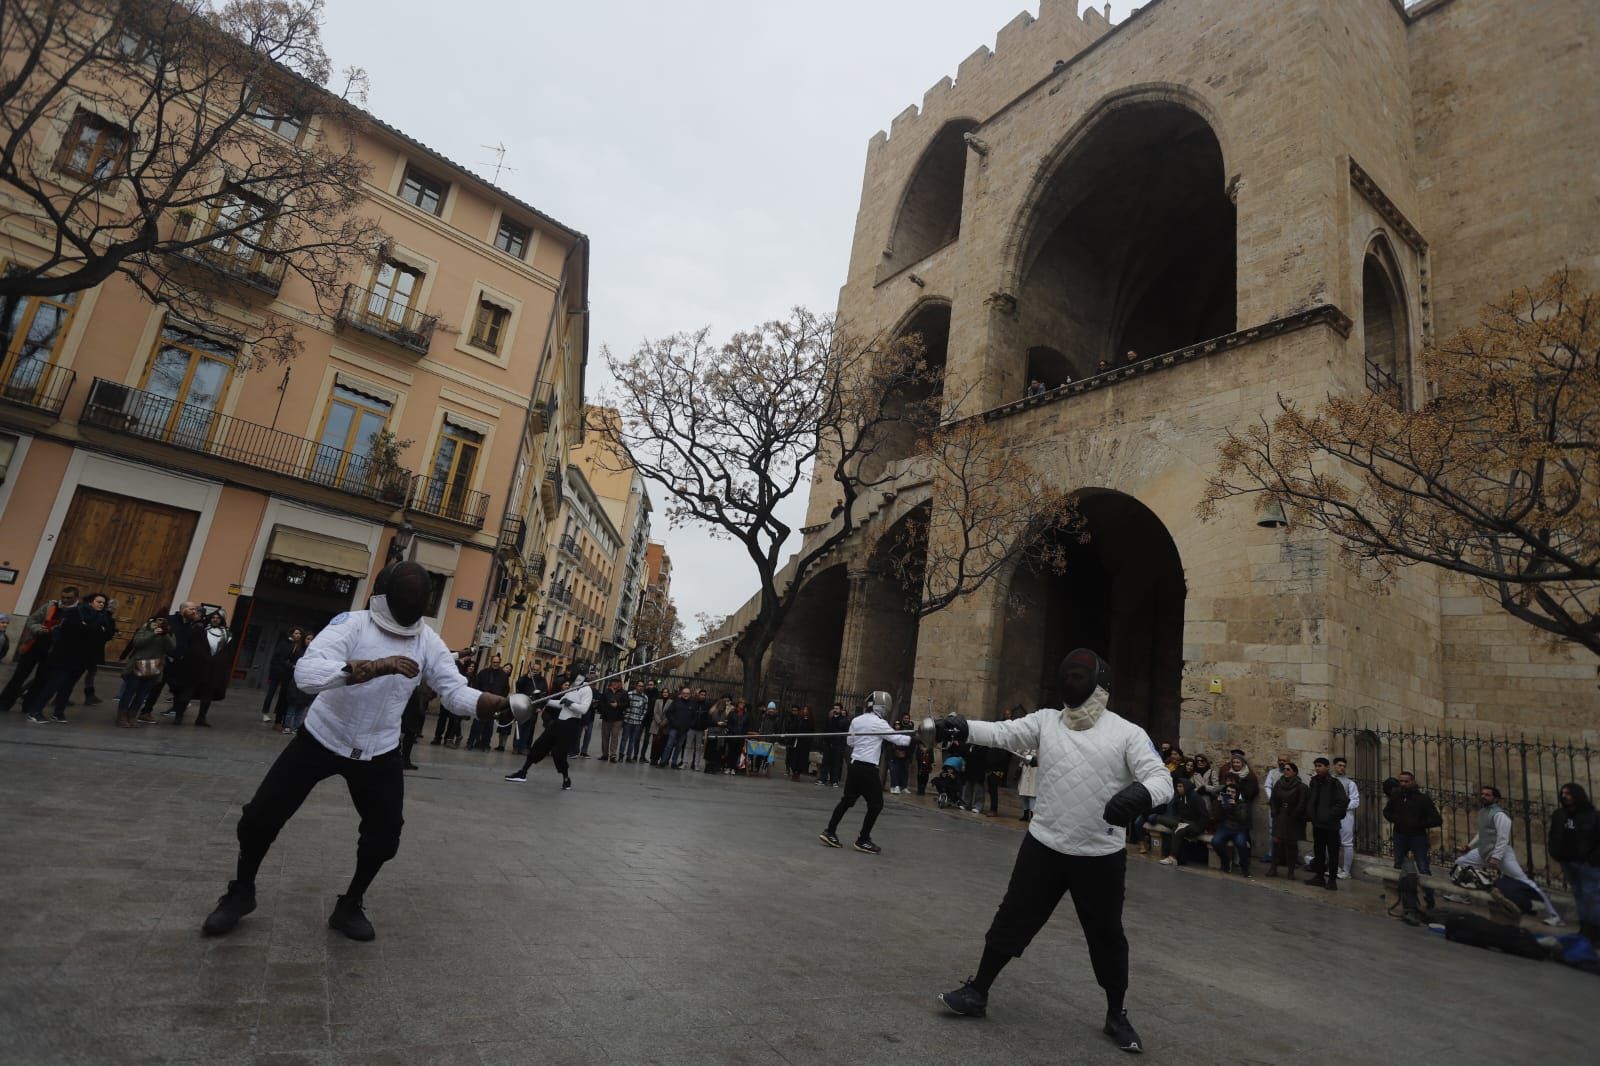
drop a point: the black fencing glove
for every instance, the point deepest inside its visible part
(1127, 805)
(951, 727)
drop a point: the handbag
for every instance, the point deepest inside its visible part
(146, 667)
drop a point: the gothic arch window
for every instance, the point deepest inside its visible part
(930, 211)
(1385, 332)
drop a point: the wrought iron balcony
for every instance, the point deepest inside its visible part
(378, 315)
(536, 565)
(551, 645)
(569, 544)
(451, 501)
(550, 492)
(513, 534)
(544, 406)
(194, 428)
(226, 254)
(37, 386)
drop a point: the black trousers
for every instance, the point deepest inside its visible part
(1325, 851)
(556, 742)
(861, 781)
(377, 788)
(1039, 879)
(27, 663)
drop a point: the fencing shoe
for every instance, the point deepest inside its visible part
(966, 1000)
(1119, 1029)
(868, 846)
(234, 904)
(519, 777)
(566, 783)
(349, 919)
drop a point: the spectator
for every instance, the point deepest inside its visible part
(1326, 800)
(146, 657)
(1185, 818)
(658, 726)
(1267, 785)
(833, 747)
(900, 761)
(213, 684)
(1233, 828)
(1287, 811)
(277, 667)
(33, 645)
(1412, 813)
(973, 772)
(797, 745)
(1131, 358)
(1203, 779)
(1574, 842)
(1239, 772)
(1027, 784)
(299, 701)
(633, 721)
(613, 710)
(924, 758)
(5, 641)
(491, 678)
(1347, 825)
(93, 669)
(411, 722)
(78, 643)
(1492, 848)
(771, 718)
(532, 685)
(697, 732)
(681, 715)
(997, 767)
(1035, 388)
(447, 730)
(1102, 366)
(733, 740)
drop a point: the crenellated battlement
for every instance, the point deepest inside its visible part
(1025, 50)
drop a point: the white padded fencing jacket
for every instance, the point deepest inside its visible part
(1079, 770)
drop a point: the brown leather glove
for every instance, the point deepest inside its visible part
(362, 670)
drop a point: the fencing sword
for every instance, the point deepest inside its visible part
(923, 732)
(521, 706)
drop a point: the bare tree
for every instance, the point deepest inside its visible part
(731, 432)
(1496, 478)
(188, 146)
(657, 628)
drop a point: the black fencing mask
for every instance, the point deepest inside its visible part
(1079, 674)
(405, 588)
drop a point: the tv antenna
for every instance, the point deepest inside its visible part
(500, 167)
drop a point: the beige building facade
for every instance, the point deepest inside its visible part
(622, 493)
(1170, 223)
(585, 551)
(149, 458)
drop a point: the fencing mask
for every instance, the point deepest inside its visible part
(400, 597)
(882, 705)
(1080, 673)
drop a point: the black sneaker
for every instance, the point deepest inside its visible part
(1119, 1029)
(58, 719)
(519, 777)
(349, 919)
(234, 904)
(869, 847)
(566, 783)
(410, 765)
(966, 1000)
(36, 719)
(830, 839)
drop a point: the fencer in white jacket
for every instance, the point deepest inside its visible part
(1097, 773)
(569, 707)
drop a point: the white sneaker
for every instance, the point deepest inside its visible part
(1344, 875)
(1181, 827)
(1169, 861)
(1554, 919)
(265, 718)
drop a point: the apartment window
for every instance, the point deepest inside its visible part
(94, 149)
(423, 191)
(285, 125)
(350, 429)
(489, 326)
(394, 290)
(185, 380)
(436, 584)
(242, 224)
(453, 466)
(512, 238)
(31, 329)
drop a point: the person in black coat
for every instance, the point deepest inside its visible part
(1326, 801)
(411, 722)
(1574, 842)
(833, 746)
(79, 643)
(973, 771)
(533, 686)
(1412, 813)
(278, 671)
(491, 678)
(207, 656)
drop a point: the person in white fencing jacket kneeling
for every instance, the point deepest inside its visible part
(1097, 773)
(362, 669)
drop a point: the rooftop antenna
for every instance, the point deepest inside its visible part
(499, 151)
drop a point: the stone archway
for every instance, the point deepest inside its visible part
(880, 637)
(805, 654)
(1130, 242)
(930, 209)
(1121, 594)
(1385, 331)
(897, 439)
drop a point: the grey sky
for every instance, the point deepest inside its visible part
(712, 150)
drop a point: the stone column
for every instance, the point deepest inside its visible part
(854, 650)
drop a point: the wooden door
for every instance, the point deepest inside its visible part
(130, 549)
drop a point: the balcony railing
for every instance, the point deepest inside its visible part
(536, 565)
(513, 534)
(1382, 381)
(550, 494)
(37, 386)
(382, 317)
(452, 501)
(544, 406)
(569, 544)
(551, 645)
(194, 428)
(228, 256)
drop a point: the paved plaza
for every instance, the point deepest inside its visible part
(656, 916)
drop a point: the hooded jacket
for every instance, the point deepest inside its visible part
(1575, 834)
(1079, 770)
(1412, 812)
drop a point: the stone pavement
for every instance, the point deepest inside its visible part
(653, 916)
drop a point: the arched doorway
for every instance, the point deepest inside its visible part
(1384, 329)
(897, 438)
(887, 602)
(1121, 594)
(805, 654)
(930, 212)
(1130, 244)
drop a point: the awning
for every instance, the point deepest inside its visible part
(319, 551)
(439, 558)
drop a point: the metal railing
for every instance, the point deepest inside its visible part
(550, 496)
(535, 565)
(1383, 382)
(452, 501)
(544, 406)
(513, 534)
(569, 544)
(226, 255)
(561, 594)
(371, 313)
(148, 416)
(551, 645)
(38, 386)
(1451, 767)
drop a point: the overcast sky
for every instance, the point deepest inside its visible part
(711, 150)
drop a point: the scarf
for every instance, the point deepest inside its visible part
(1087, 713)
(378, 608)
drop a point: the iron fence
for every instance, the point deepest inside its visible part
(1451, 767)
(36, 384)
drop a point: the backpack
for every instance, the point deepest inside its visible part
(1517, 892)
(1480, 932)
(1473, 877)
